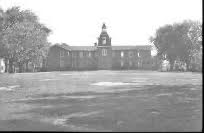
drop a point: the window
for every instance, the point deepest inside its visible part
(89, 54)
(140, 63)
(72, 64)
(67, 53)
(148, 62)
(104, 40)
(165, 56)
(138, 54)
(113, 54)
(121, 63)
(81, 54)
(130, 63)
(62, 53)
(61, 63)
(74, 54)
(122, 54)
(130, 54)
(104, 52)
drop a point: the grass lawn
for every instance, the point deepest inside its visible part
(101, 101)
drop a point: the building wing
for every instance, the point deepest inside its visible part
(94, 48)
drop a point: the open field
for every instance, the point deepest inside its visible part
(101, 101)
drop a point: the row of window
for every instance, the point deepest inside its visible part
(104, 53)
(130, 64)
(62, 53)
(81, 54)
(62, 63)
(130, 54)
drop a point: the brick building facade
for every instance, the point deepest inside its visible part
(102, 56)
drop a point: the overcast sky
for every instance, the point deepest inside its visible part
(129, 22)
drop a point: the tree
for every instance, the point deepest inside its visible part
(1, 28)
(178, 41)
(191, 32)
(195, 35)
(23, 37)
(166, 41)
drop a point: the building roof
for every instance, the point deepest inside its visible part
(83, 48)
(93, 48)
(64, 46)
(140, 47)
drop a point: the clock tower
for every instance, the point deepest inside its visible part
(104, 39)
(104, 50)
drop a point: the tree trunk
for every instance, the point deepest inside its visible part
(188, 65)
(26, 66)
(10, 66)
(20, 68)
(33, 67)
(171, 65)
(6, 65)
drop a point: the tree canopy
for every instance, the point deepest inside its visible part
(178, 41)
(23, 37)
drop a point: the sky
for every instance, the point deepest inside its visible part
(129, 22)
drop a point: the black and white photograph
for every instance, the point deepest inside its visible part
(101, 65)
